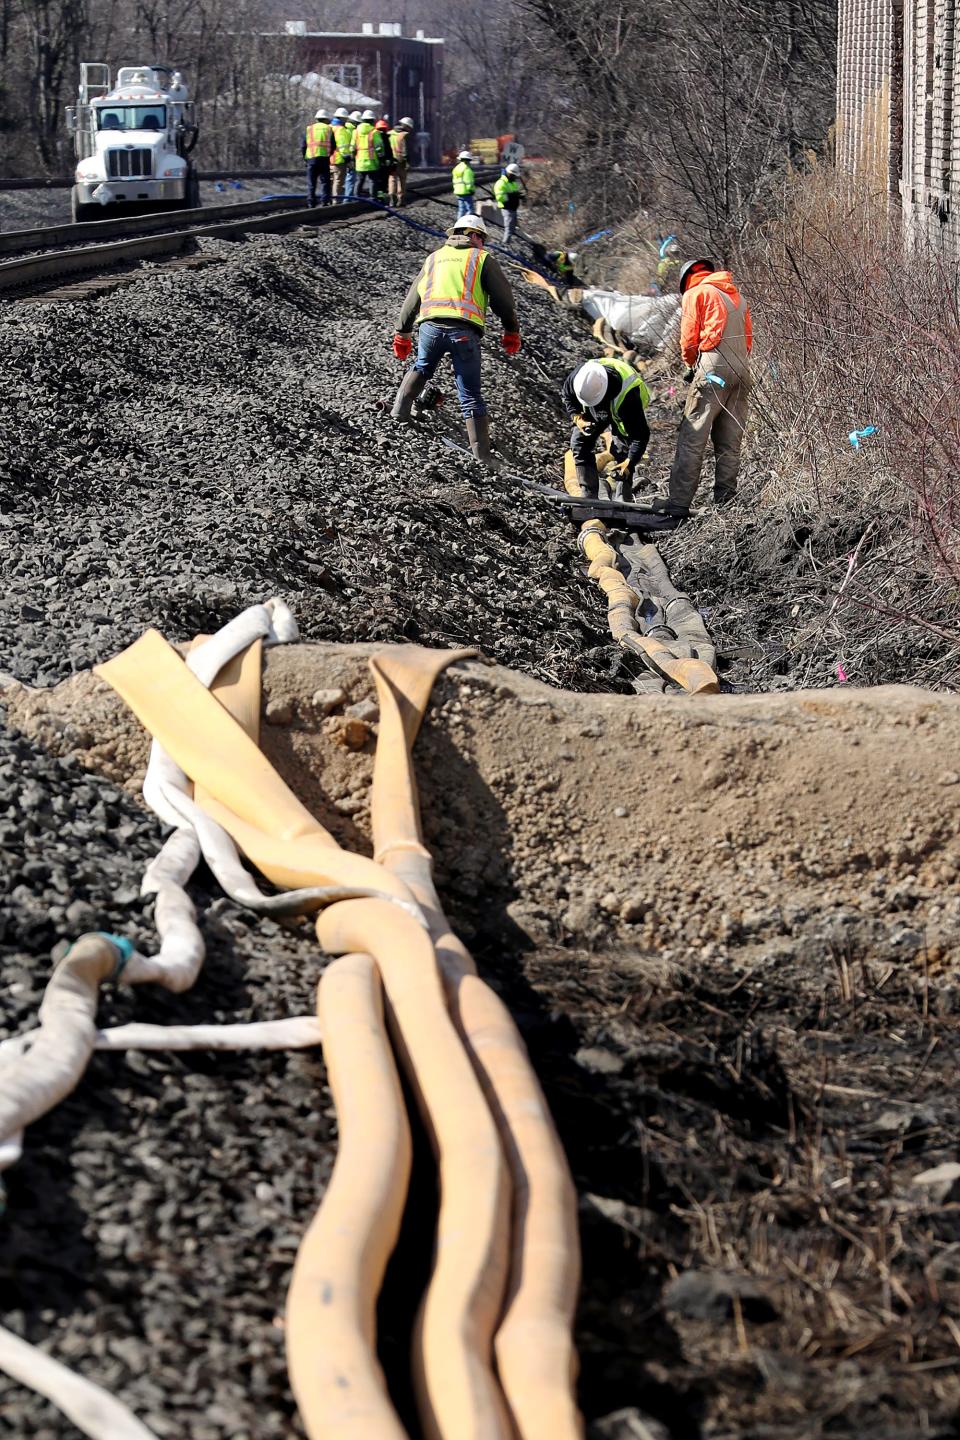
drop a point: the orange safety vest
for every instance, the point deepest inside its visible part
(318, 140)
(450, 287)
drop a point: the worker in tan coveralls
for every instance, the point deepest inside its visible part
(715, 341)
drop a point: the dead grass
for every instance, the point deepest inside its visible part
(856, 330)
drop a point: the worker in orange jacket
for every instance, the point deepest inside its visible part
(716, 336)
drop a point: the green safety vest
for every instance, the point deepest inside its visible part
(464, 180)
(629, 381)
(318, 139)
(398, 144)
(505, 186)
(366, 148)
(343, 136)
(450, 287)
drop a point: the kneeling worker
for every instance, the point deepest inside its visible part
(601, 393)
(716, 336)
(450, 297)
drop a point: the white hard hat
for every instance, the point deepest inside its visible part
(355, 115)
(406, 122)
(321, 115)
(342, 113)
(368, 115)
(572, 254)
(464, 155)
(590, 382)
(471, 222)
(513, 169)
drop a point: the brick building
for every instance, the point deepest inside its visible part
(404, 72)
(897, 123)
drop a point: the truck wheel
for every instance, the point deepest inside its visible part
(79, 213)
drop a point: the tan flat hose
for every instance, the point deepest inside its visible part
(460, 1398)
(331, 1344)
(534, 1347)
(694, 676)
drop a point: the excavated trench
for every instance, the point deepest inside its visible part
(723, 924)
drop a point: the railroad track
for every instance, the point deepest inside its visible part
(85, 254)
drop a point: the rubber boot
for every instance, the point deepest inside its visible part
(478, 433)
(410, 387)
(589, 478)
(723, 496)
(624, 490)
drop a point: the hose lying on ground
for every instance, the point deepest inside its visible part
(689, 673)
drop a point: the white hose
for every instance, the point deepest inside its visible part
(299, 1032)
(91, 1409)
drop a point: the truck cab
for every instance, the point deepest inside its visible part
(133, 141)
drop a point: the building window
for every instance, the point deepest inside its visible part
(349, 75)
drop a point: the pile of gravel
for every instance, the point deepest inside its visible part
(172, 452)
(182, 447)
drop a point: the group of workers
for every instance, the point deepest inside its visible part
(450, 297)
(353, 154)
(349, 155)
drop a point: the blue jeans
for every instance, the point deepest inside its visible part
(462, 344)
(464, 205)
(349, 183)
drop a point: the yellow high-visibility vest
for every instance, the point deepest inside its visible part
(505, 186)
(318, 139)
(398, 144)
(343, 136)
(464, 180)
(450, 287)
(366, 148)
(629, 381)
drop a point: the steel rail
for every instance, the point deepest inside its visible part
(28, 271)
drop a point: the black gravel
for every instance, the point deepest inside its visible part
(171, 452)
(180, 448)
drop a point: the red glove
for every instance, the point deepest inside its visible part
(402, 346)
(510, 340)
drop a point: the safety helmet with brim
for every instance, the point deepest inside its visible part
(341, 113)
(471, 222)
(355, 115)
(369, 115)
(688, 268)
(590, 382)
(406, 123)
(464, 155)
(321, 115)
(513, 169)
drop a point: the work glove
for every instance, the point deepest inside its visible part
(582, 422)
(510, 340)
(402, 346)
(689, 373)
(621, 469)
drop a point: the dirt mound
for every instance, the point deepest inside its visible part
(724, 932)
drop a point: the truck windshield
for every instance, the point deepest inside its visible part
(132, 117)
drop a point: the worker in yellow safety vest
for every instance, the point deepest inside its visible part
(399, 144)
(464, 183)
(369, 150)
(318, 146)
(508, 193)
(449, 298)
(341, 162)
(598, 394)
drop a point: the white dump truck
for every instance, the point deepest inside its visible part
(133, 141)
